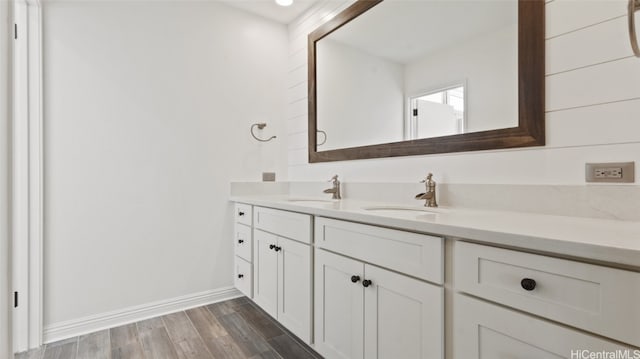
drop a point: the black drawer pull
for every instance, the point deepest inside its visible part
(240, 241)
(278, 249)
(528, 284)
(241, 214)
(272, 246)
(366, 283)
(240, 276)
(355, 278)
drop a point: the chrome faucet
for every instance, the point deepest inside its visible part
(335, 190)
(430, 195)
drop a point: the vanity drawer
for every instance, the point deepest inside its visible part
(242, 276)
(242, 240)
(485, 330)
(243, 213)
(284, 223)
(599, 299)
(414, 254)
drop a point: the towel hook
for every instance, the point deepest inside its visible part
(260, 126)
(325, 137)
(634, 6)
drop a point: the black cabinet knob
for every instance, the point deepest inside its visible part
(278, 249)
(366, 283)
(272, 246)
(240, 213)
(355, 278)
(240, 275)
(240, 241)
(528, 284)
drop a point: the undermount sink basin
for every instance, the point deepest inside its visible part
(399, 210)
(311, 200)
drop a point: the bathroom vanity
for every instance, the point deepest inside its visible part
(356, 279)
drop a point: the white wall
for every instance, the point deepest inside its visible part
(593, 106)
(147, 113)
(488, 66)
(5, 305)
(375, 115)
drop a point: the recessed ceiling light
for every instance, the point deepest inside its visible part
(284, 2)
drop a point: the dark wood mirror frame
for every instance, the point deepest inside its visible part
(531, 87)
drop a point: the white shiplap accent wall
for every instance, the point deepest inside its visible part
(593, 107)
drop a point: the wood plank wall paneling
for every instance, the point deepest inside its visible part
(564, 16)
(593, 85)
(610, 38)
(297, 77)
(297, 92)
(561, 125)
(298, 141)
(593, 94)
(297, 124)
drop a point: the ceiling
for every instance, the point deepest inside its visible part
(271, 10)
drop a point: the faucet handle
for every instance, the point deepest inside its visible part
(428, 178)
(333, 179)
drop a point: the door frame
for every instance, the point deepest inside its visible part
(27, 176)
(6, 20)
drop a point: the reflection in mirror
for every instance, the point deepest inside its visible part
(439, 113)
(360, 96)
(322, 141)
(406, 57)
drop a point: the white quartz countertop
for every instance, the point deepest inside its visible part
(612, 241)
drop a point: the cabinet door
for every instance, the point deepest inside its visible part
(404, 317)
(294, 282)
(265, 272)
(339, 306)
(483, 330)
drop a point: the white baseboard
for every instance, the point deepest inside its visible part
(89, 324)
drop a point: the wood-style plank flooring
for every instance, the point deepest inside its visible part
(236, 329)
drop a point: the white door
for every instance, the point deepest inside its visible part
(294, 282)
(483, 330)
(436, 119)
(339, 306)
(265, 271)
(404, 317)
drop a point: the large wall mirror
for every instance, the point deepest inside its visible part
(399, 78)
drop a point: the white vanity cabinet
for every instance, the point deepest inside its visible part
(364, 311)
(282, 268)
(243, 271)
(361, 291)
(589, 297)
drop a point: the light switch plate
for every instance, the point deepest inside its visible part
(611, 172)
(268, 176)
